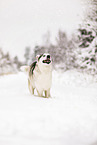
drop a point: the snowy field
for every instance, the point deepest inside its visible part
(69, 117)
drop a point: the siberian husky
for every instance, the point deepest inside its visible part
(40, 75)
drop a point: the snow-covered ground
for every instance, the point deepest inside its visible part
(69, 117)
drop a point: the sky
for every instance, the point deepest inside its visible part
(23, 23)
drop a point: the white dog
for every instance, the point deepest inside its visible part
(40, 75)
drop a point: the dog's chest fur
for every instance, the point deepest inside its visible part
(42, 80)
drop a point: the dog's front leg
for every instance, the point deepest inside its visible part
(29, 85)
(47, 93)
(31, 89)
(40, 93)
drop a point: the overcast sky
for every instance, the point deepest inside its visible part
(24, 22)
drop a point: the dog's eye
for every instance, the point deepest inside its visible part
(43, 55)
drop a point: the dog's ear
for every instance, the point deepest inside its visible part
(37, 57)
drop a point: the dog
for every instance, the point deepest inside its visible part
(40, 75)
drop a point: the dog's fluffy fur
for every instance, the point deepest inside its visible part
(40, 75)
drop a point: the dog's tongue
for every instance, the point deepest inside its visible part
(48, 59)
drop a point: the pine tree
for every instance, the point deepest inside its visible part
(87, 43)
(86, 35)
(87, 57)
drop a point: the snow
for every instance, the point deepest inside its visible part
(69, 117)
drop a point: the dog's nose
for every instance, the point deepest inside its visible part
(48, 56)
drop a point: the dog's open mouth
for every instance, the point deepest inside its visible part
(47, 61)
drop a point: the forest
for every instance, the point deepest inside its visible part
(77, 52)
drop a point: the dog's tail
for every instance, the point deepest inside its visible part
(25, 68)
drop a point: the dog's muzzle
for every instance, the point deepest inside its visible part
(47, 61)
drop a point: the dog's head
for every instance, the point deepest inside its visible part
(44, 59)
(44, 62)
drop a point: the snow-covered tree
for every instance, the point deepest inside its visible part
(27, 55)
(17, 64)
(90, 15)
(87, 40)
(92, 10)
(46, 40)
(7, 64)
(86, 34)
(87, 57)
(63, 52)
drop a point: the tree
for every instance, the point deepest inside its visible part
(87, 58)
(46, 40)
(7, 64)
(61, 46)
(91, 14)
(86, 35)
(27, 55)
(17, 63)
(92, 11)
(63, 52)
